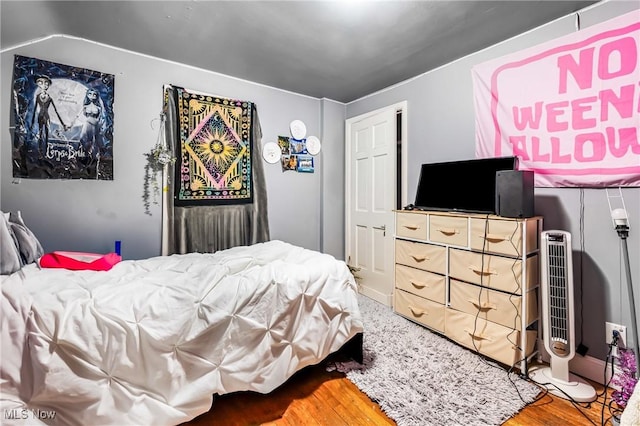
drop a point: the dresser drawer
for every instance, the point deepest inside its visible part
(501, 273)
(452, 230)
(496, 236)
(421, 283)
(423, 311)
(503, 236)
(428, 257)
(491, 305)
(412, 225)
(490, 339)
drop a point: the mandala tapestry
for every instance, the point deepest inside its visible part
(63, 118)
(214, 156)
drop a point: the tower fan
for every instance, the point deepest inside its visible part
(558, 320)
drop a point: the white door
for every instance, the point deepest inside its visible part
(370, 200)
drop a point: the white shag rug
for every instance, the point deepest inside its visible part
(421, 378)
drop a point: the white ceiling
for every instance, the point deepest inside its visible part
(341, 50)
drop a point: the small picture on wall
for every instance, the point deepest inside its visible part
(297, 146)
(305, 163)
(289, 162)
(283, 143)
(63, 117)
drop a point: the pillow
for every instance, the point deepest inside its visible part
(29, 247)
(78, 261)
(10, 260)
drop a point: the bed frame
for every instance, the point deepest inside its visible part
(353, 348)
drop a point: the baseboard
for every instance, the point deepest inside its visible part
(385, 299)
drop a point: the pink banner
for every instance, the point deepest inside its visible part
(569, 109)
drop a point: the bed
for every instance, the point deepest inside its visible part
(151, 341)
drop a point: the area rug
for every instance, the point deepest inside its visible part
(421, 378)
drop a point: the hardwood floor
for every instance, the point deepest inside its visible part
(314, 396)
(550, 410)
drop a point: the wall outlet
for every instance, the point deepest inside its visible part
(609, 327)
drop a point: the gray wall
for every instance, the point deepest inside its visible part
(332, 231)
(441, 128)
(89, 216)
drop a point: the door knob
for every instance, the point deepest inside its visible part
(383, 228)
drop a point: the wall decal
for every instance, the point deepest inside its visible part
(63, 121)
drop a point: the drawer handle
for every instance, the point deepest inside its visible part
(418, 284)
(480, 271)
(493, 238)
(417, 312)
(478, 336)
(412, 227)
(419, 258)
(483, 306)
(448, 231)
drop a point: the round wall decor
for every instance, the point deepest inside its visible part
(298, 129)
(313, 145)
(271, 152)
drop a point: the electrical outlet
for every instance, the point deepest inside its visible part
(622, 330)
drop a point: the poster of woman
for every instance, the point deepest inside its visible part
(63, 121)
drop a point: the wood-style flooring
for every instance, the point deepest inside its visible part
(314, 396)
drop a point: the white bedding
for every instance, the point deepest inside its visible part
(150, 341)
(631, 414)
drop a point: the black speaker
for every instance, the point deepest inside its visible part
(514, 193)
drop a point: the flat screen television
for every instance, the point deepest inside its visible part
(466, 186)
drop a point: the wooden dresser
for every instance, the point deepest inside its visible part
(473, 278)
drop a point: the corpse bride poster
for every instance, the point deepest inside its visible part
(62, 121)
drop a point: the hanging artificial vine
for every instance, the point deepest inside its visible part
(156, 160)
(625, 378)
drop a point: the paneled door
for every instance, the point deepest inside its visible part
(370, 200)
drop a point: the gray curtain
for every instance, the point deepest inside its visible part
(206, 229)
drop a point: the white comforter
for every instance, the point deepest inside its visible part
(150, 342)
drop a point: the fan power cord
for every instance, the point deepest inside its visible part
(576, 405)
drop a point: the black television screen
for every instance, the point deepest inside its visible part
(467, 186)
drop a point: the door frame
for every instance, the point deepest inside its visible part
(398, 107)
